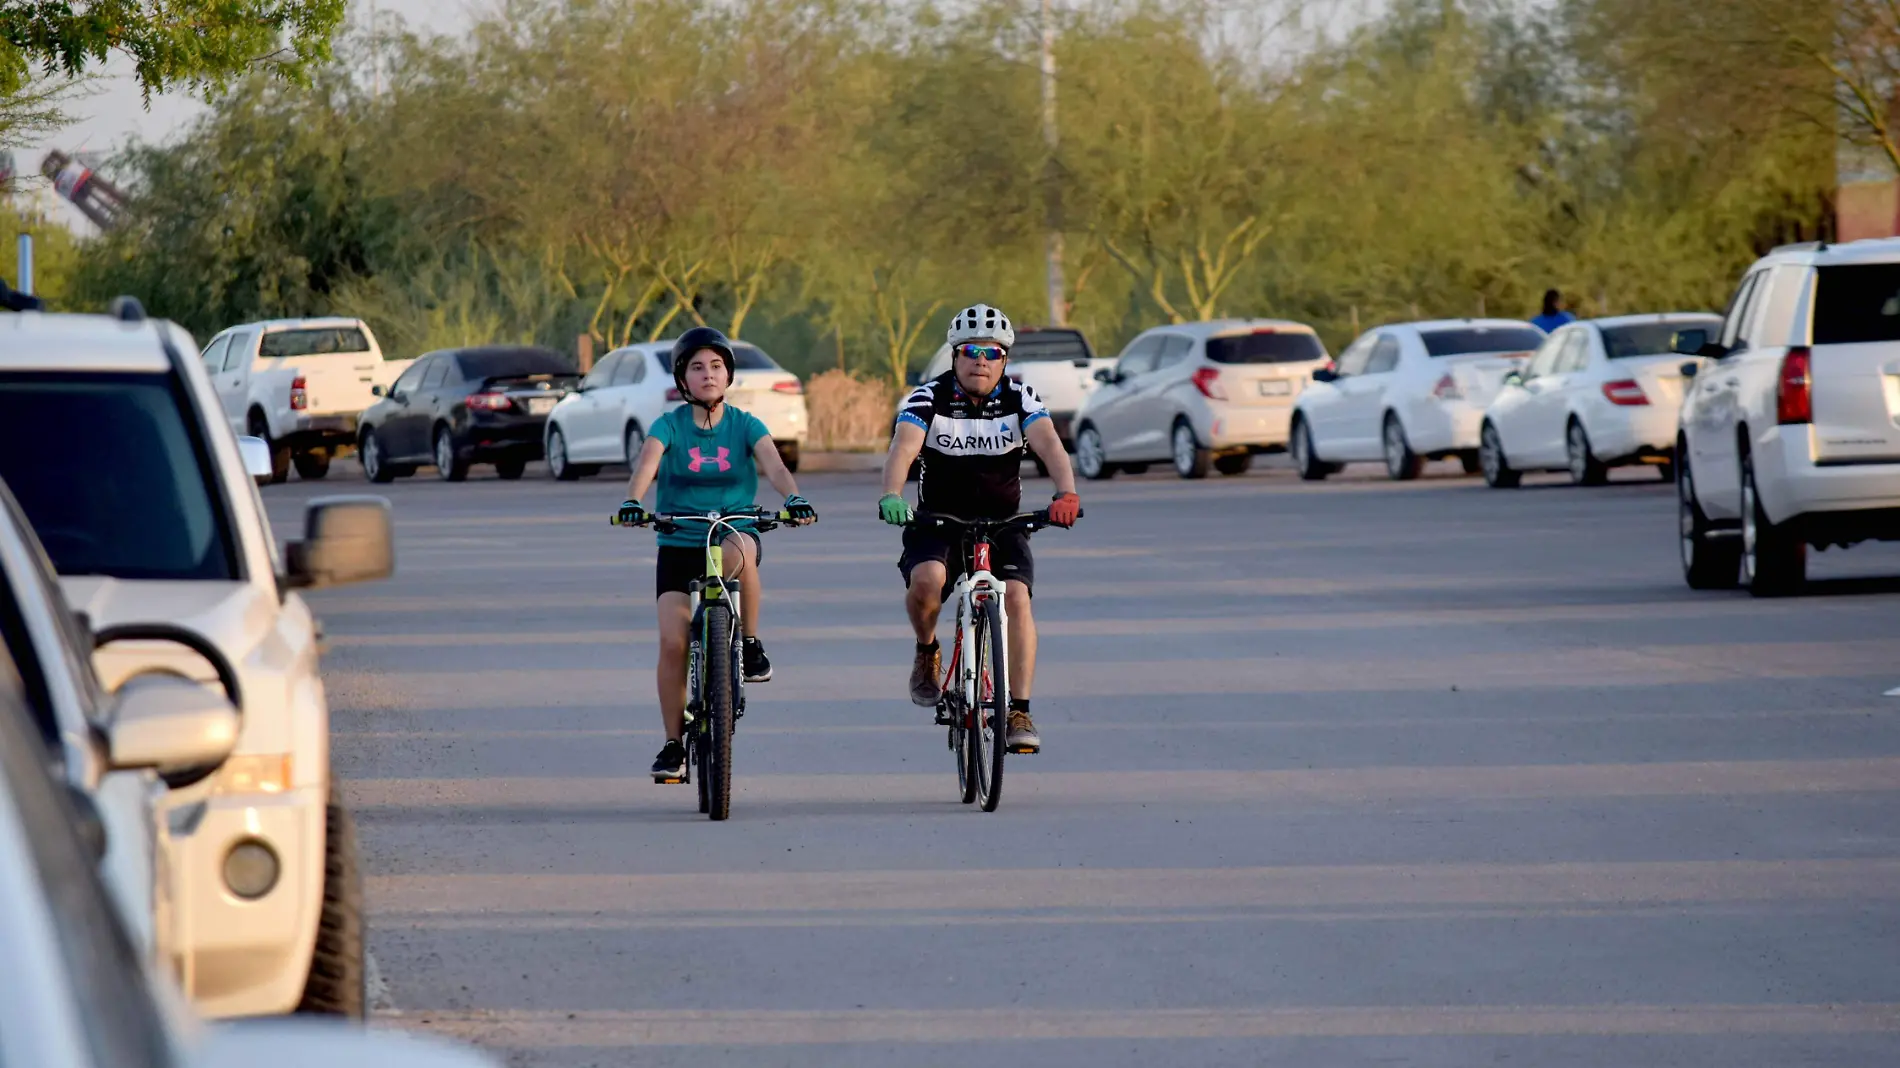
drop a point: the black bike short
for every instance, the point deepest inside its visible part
(679, 566)
(1010, 558)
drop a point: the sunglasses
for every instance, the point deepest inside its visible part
(991, 353)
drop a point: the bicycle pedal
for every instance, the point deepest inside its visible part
(668, 780)
(1025, 750)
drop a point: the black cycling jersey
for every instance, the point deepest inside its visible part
(973, 447)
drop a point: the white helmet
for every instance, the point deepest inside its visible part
(981, 321)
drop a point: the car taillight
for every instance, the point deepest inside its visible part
(1794, 393)
(490, 402)
(1627, 393)
(1207, 380)
(673, 395)
(299, 394)
(1447, 389)
(794, 386)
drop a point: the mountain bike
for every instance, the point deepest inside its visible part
(715, 672)
(975, 701)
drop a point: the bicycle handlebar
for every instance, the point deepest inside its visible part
(669, 522)
(1025, 521)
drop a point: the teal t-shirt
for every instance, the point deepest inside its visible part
(706, 470)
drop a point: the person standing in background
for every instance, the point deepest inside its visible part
(1555, 315)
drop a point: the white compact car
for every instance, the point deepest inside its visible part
(1598, 394)
(605, 421)
(114, 444)
(1056, 362)
(1202, 395)
(1791, 428)
(299, 384)
(1407, 393)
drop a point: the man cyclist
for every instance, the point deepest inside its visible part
(970, 425)
(707, 456)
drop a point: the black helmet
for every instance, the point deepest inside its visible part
(692, 341)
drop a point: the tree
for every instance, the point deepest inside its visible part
(194, 43)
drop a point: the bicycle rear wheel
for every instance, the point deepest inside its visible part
(718, 709)
(989, 734)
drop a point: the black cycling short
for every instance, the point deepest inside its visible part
(1010, 558)
(679, 566)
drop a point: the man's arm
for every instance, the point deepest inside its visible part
(906, 443)
(1043, 438)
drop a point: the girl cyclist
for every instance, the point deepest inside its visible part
(707, 457)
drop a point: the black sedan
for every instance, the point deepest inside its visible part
(459, 407)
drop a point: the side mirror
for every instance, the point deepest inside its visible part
(1105, 375)
(1690, 342)
(346, 540)
(378, 391)
(1689, 369)
(1325, 374)
(1514, 378)
(256, 454)
(170, 724)
(1712, 351)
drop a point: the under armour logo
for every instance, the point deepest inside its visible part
(724, 464)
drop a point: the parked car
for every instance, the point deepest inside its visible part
(150, 512)
(1202, 395)
(1791, 432)
(1597, 394)
(1407, 393)
(1057, 362)
(605, 420)
(79, 993)
(112, 748)
(299, 384)
(459, 407)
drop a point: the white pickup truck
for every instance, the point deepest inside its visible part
(299, 384)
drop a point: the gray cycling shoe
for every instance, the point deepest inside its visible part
(1022, 733)
(924, 673)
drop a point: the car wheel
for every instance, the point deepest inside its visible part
(1190, 459)
(1470, 461)
(376, 466)
(311, 465)
(1667, 472)
(1774, 561)
(338, 984)
(279, 452)
(1309, 466)
(451, 467)
(1401, 463)
(788, 452)
(1498, 473)
(558, 466)
(1090, 460)
(1234, 463)
(1708, 563)
(1134, 469)
(632, 442)
(1585, 468)
(510, 470)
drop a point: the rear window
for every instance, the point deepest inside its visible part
(1469, 340)
(1655, 339)
(1050, 346)
(1856, 304)
(1266, 347)
(510, 363)
(113, 476)
(317, 342)
(752, 358)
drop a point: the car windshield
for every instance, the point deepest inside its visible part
(320, 341)
(113, 476)
(479, 364)
(1857, 304)
(1266, 346)
(1654, 339)
(1049, 346)
(752, 358)
(1471, 340)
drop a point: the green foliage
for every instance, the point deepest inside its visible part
(840, 173)
(55, 252)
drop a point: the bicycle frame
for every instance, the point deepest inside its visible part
(974, 588)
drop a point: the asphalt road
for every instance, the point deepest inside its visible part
(1340, 774)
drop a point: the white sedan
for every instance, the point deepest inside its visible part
(1407, 393)
(1598, 394)
(605, 421)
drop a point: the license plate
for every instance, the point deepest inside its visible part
(541, 405)
(1275, 387)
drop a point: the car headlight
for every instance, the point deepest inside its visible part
(255, 773)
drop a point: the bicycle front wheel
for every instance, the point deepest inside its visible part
(990, 725)
(720, 701)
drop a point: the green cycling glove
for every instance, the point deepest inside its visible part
(894, 509)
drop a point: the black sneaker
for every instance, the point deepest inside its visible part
(924, 675)
(670, 765)
(758, 666)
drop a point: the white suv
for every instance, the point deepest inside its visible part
(1791, 431)
(1202, 395)
(114, 444)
